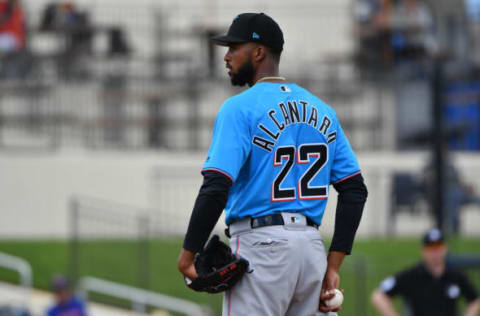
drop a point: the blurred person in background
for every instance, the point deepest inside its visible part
(12, 26)
(430, 287)
(393, 32)
(66, 304)
(72, 23)
(458, 192)
(13, 62)
(412, 26)
(373, 38)
(473, 14)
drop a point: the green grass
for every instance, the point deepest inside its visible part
(371, 261)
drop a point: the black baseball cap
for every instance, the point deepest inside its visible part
(252, 27)
(433, 237)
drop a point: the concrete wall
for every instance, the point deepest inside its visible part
(36, 189)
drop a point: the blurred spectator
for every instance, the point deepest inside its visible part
(373, 37)
(74, 25)
(13, 56)
(457, 193)
(451, 35)
(430, 287)
(63, 15)
(12, 26)
(66, 303)
(473, 14)
(118, 44)
(390, 32)
(412, 27)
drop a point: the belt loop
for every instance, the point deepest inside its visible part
(239, 226)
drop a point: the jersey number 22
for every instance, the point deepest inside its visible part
(301, 156)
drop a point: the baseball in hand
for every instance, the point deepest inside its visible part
(335, 301)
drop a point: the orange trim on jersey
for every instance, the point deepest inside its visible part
(300, 197)
(230, 302)
(313, 198)
(303, 162)
(221, 172)
(275, 164)
(238, 245)
(350, 176)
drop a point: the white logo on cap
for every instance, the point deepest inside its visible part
(255, 35)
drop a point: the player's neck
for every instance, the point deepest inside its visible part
(268, 77)
(436, 270)
(267, 72)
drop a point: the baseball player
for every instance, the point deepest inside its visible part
(275, 151)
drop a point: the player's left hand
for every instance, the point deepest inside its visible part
(186, 264)
(331, 281)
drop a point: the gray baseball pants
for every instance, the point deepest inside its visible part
(287, 262)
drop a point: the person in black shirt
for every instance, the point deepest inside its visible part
(430, 288)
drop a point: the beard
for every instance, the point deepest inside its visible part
(244, 75)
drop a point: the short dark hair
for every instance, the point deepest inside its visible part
(275, 53)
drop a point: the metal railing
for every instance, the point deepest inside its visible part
(140, 298)
(24, 270)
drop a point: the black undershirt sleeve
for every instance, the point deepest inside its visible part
(209, 205)
(352, 194)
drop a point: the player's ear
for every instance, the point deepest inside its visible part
(259, 53)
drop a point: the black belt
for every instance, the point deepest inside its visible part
(270, 220)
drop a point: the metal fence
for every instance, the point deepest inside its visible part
(98, 225)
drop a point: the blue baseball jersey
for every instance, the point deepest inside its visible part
(282, 147)
(73, 307)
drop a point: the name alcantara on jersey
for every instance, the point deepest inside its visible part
(294, 112)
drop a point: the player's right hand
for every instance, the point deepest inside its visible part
(186, 264)
(324, 296)
(331, 281)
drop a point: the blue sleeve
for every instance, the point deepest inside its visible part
(230, 144)
(51, 311)
(345, 164)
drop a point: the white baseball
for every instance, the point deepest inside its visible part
(335, 301)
